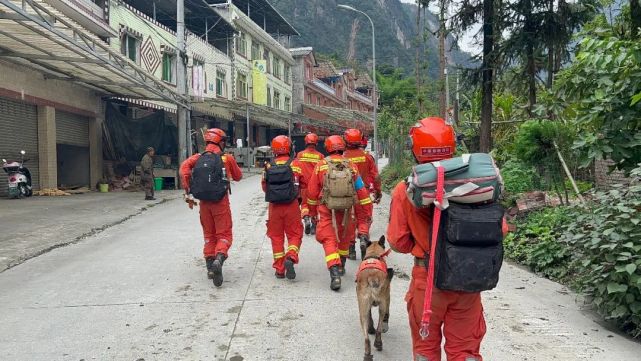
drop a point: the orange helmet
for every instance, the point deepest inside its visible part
(432, 139)
(215, 135)
(353, 137)
(311, 138)
(281, 145)
(334, 143)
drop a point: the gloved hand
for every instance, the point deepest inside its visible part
(364, 243)
(189, 199)
(377, 197)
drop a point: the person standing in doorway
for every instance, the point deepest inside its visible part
(147, 178)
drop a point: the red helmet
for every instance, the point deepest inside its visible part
(334, 143)
(432, 139)
(281, 145)
(311, 138)
(353, 137)
(215, 135)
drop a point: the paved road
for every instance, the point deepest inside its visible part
(138, 291)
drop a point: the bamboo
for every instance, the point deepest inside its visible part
(567, 172)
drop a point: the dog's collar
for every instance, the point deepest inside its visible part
(381, 257)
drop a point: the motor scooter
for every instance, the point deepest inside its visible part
(18, 177)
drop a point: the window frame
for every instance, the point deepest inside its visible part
(125, 47)
(223, 83)
(241, 89)
(287, 104)
(255, 56)
(172, 68)
(276, 101)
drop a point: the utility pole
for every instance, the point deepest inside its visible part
(447, 93)
(181, 81)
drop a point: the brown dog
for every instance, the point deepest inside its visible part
(373, 289)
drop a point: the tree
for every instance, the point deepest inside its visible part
(488, 75)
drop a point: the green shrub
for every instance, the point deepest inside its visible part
(606, 241)
(394, 173)
(595, 249)
(536, 243)
(518, 177)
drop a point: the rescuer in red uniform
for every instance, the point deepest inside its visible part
(284, 216)
(368, 171)
(308, 159)
(336, 227)
(215, 217)
(457, 316)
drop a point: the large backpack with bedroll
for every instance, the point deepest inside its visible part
(469, 245)
(281, 187)
(208, 178)
(338, 185)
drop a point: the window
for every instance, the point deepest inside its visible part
(288, 77)
(130, 47)
(308, 72)
(241, 86)
(241, 45)
(199, 77)
(317, 100)
(255, 50)
(309, 99)
(221, 84)
(276, 99)
(288, 104)
(269, 97)
(267, 59)
(169, 68)
(277, 68)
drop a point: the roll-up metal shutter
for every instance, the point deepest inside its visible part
(72, 129)
(18, 131)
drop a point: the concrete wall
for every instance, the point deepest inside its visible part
(298, 88)
(603, 179)
(215, 60)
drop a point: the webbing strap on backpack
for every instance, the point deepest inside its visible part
(427, 304)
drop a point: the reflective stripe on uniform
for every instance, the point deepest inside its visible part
(358, 160)
(365, 201)
(308, 160)
(279, 255)
(332, 257)
(297, 169)
(310, 156)
(292, 248)
(343, 252)
(322, 168)
(312, 202)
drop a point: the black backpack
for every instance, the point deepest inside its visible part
(280, 183)
(208, 178)
(470, 247)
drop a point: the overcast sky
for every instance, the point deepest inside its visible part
(467, 42)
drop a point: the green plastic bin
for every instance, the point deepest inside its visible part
(104, 188)
(159, 183)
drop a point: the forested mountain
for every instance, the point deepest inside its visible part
(331, 30)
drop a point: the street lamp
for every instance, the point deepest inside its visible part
(374, 94)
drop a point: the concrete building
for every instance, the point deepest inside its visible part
(55, 70)
(323, 93)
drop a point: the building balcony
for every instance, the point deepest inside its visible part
(324, 87)
(361, 97)
(88, 14)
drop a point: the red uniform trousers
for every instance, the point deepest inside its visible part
(304, 207)
(326, 235)
(284, 220)
(456, 315)
(215, 218)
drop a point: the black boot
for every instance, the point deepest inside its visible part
(209, 261)
(335, 283)
(352, 252)
(217, 269)
(313, 230)
(308, 224)
(290, 272)
(364, 246)
(341, 268)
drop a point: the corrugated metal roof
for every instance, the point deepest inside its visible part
(301, 51)
(40, 37)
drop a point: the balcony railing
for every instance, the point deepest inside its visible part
(324, 86)
(87, 14)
